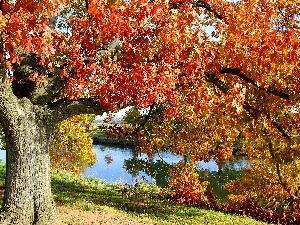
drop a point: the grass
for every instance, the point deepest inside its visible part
(143, 201)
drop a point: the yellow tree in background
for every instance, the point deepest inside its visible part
(72, 147)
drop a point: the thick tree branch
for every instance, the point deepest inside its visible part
(209, 8)
(281, 179)
(64, 108)
(24, 86)
(87, 5)
(201, 4)
(283, 132)
(1, 4)
(278, 170)
(10, 106)
(145, 120)
(219, 83)
(249, 109)
(237, 72)
(253, 112)
(47, 92)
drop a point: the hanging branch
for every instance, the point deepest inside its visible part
(254, 112)
(145, 120)
(201, 4)
(282, 182)
(238, 73)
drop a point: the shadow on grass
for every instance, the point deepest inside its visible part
(89, 194)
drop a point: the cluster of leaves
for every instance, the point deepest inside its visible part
(72, 147)
(218, 179)
(272, 178)
(186, 184)
(249, 208)
(266, 189)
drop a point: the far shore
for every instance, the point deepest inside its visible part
(107, 141)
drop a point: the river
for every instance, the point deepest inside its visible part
(111, 164)
(119, 164)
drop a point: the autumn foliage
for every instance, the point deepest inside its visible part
(236, 94)
(72, 148)
(186, 184)
(220, 78)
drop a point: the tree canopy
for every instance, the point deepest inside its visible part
(219, 77)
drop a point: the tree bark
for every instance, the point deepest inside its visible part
(28, 128)
(28, 198)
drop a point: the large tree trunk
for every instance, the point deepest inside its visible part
(28, 198)
(28, 126)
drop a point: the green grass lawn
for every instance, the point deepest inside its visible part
(141, 201)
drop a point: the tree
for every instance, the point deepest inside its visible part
(72, 147)
(64, 58)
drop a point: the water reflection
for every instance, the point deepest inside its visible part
(110, 165)
(120, 164)
(108, 159)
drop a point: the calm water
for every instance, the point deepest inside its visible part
(111, 165)
(111, 168)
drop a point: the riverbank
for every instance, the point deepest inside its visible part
(99, 137)
(97, 140)
(88, 201)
